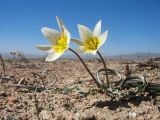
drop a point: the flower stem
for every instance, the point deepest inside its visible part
(3, 65)
(85, 66)
(104, 64)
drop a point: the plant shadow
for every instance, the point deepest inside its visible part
(114, 104)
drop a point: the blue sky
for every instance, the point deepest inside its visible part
(134, 25)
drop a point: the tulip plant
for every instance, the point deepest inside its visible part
(90, 42)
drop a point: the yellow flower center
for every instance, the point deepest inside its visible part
(61, 44)
(92, 44)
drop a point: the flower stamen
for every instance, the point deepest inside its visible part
(61, 44)
(92, 43)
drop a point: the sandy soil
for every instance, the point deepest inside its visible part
(17, 103)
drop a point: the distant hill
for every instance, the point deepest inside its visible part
(8, 55)
(135, 56)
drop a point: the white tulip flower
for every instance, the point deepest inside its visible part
(90, 40)
(59, 41)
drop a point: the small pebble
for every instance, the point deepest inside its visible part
(141, 112)
(12, 100)
(140, 118)
(148, 117)
(132, 114)
(88, 117)
(118, 109)
(2, 93)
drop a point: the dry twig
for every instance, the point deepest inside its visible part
(3, 65)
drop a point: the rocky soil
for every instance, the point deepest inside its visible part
(22, 103)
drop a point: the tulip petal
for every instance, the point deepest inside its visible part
(77, 41)
(97, 29)
(44, 47)
(103, 37)
(84, 32)
(94, 52)
(60, 23)
(81, 49)
(53, 56)
(51, 34)
(67, 33)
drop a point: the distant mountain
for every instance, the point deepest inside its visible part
(136, 56)
(8, 55)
